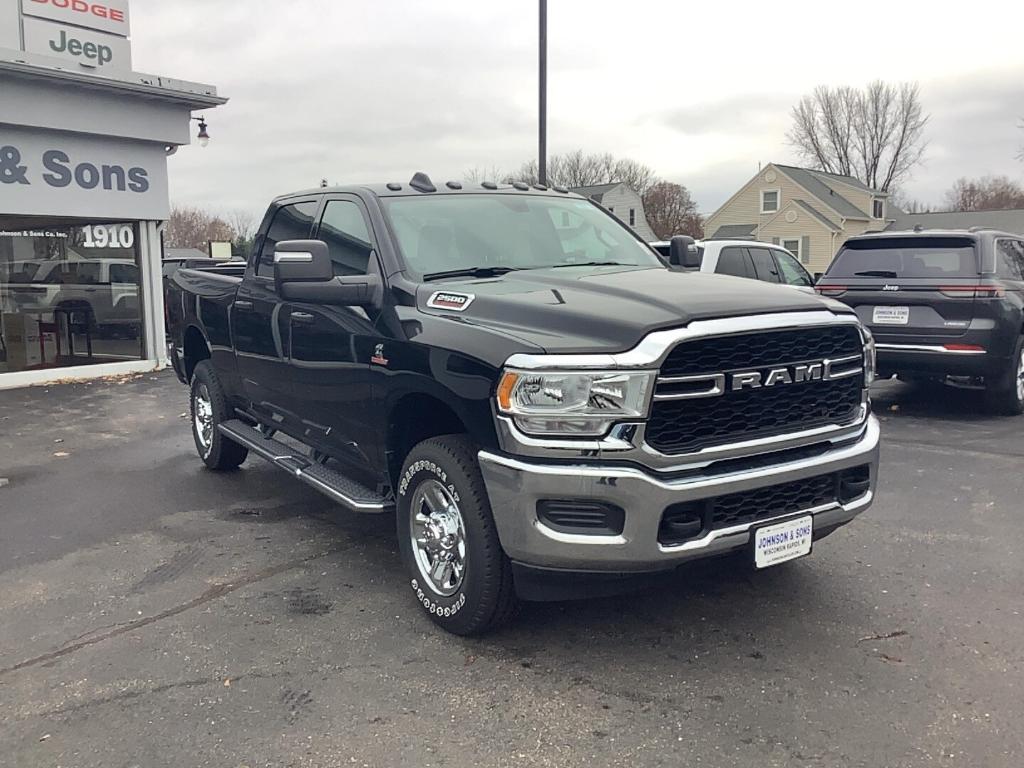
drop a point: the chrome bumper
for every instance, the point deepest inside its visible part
(515, 486)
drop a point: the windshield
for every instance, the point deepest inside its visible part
(912, 257)
(463, 232)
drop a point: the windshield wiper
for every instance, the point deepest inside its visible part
(469, 272)
(876, 273)
(589, 264)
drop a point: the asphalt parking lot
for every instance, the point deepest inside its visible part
(153, 613)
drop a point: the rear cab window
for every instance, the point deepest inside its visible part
(291, 222)
(894, 258)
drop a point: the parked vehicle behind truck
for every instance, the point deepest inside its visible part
(751, 259)
(544, 406)
(941, 303)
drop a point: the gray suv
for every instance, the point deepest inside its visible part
(940, 303)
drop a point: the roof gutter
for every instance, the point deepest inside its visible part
(148, 86)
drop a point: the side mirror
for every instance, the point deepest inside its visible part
(818, 276)
(682, 252)
(302, 261)
(345, 291)
(304, 272)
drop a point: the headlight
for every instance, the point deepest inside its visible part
(583, 403)
(869, 357)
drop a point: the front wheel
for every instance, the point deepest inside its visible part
(458, 571)
(1006, 394)
(210, 408)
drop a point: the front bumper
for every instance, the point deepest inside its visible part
(516, 486)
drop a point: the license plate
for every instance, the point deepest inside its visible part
(891, 316)
(778, 543)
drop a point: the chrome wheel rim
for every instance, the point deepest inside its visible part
(1020, 377)
(438, 538)
(202, 416)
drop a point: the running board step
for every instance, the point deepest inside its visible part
(330, 482)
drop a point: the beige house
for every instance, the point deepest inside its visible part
(810, 213)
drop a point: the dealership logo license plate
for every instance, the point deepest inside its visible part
(778, 543)
(891, 316)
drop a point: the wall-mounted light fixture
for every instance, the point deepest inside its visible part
(203, 136)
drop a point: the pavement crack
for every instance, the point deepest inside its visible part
(886, 636)
(125, 695)
(214, 592)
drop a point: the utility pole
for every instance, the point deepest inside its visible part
(542, 160)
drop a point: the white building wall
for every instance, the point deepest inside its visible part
(620, 200)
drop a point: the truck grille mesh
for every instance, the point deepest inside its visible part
(682, 522)
(682, 426)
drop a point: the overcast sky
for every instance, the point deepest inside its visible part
(373, 90)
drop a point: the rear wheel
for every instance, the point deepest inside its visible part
(457, 568)
(1006, 393)
(209, 408)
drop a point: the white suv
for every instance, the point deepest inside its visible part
(748, 258)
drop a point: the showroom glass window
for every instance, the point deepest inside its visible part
(69, 293)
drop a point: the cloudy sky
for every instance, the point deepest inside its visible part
(360, 91)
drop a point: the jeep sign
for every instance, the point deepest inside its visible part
(106, 16)
(49, 173)
(96, 51)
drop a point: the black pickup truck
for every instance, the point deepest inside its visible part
(545, 406)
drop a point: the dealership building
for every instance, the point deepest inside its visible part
(84, 142)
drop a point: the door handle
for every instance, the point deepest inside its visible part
(302, 318)
(242, 304)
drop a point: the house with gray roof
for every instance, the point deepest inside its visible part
(622, 200)
(1008, 221)
(808, 212)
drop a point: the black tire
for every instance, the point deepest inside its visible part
(216, 450)
(484, 598)
(1005, 394)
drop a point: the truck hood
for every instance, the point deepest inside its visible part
(607, 309)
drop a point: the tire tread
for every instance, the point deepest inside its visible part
(498, 603)
(226, 454)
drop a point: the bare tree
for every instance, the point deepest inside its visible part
(479, 173)
(671, 211)
(190, 227)
(243, 222)
(990, 193)
(875, 134)
(580, 169)
(900, 201)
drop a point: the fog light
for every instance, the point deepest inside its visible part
(680, 522)
(854, 483)
(595, 518)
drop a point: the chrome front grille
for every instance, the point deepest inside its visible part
(727, 389)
